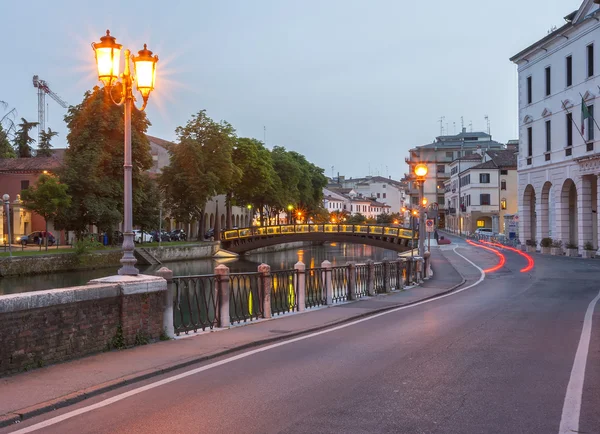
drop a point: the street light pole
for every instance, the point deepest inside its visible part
(6, 199)
(108, 54)
(421, 219)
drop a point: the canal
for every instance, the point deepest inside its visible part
(312, 256)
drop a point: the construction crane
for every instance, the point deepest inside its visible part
(44, 89)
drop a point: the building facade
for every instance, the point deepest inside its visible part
(559, 155)
(347, 200)
(481, 192)
(384, 190)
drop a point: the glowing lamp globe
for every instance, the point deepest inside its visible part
(421, 170)
(108, 55)
(145, 71)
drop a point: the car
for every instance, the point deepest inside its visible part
(37, 238)
(178, 235)
(142, 237)
(484, 231)
(209, 233)
(164, 236)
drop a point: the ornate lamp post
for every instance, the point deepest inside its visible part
(421, 173)
(108, 54)
(6, 199)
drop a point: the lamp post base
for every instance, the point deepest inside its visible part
(128, 260)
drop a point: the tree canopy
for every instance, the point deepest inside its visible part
(23, 140)
(45, 147)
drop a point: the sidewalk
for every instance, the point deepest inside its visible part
(28, 394)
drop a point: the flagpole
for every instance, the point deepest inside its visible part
(592, 116)
(574, 123)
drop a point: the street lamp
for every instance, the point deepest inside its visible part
(108, 56)
(6, 199)
(421, 174)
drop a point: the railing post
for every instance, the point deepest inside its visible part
(409, 266)
(371, 278)
(427, 268)
(401, 267)
(265, 288)
(328, 282)
(387, 284)
(351, 280)
(168, 327)
(222, 273)
(301, 285)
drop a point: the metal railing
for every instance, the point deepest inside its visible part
(196, 303)
(392, 231)
(315, 287)
(379, 277)
(284, 297)
(361, 281)
(340, 283)
(245, 301)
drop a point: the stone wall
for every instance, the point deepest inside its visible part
(45, 327)
(68, 261)
(185, 252)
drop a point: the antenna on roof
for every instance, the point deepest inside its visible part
(454, 132)
(332, 173)
(471, 126)
(442, 125)
(462, 123)
(487, 119)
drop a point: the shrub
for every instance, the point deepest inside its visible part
(588, 246)
(572, 246)
(85, 245)
(531, 243)
(557, 244)
(546, 242)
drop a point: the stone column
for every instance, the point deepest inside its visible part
(301, 285)
(598, 210)
(495, 223)
(168, 327)
(351, 280)
(265, 289)
(326, 265)
(387, 287)
(222, 272)
(371, 278)
(561, 212)
(584, 212)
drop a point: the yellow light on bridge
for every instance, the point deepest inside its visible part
(396, 222)
(421, 170)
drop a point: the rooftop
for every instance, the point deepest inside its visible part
(33, 164)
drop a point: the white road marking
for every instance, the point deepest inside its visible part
(159, 383)
(569, 421)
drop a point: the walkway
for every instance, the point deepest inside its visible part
(40, 390)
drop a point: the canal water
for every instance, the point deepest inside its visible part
(312, 256)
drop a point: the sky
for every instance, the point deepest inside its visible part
(351, 84)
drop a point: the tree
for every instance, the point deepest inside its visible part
(44, 147)
(93, 164)
(7, 129)
(146, 203)
(339, 216)
(357, 219)
(22, 140)
(46, 198)
(6, 149)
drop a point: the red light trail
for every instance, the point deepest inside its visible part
(496, 252)
(530, 261)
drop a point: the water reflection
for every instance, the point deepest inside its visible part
(313, 256)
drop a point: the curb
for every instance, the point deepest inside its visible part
(18, 416)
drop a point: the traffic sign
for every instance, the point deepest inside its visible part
(429, 225)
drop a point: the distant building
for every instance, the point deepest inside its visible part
(384, 190)
(481, 191)
(437, 156)
(559, 160)
(337, 199)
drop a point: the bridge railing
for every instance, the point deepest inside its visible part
(265, 231)
(220, 299)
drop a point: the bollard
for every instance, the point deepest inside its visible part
(371, 278)
(328, 282)
(301, 285)
(351, 280)
(265, 288)
(168, 326)
(427, 268)
(387, 285)
(222, 273)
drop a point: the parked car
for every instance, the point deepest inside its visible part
(178, 235)
(37, 238)
(209, 233)
(484, 231)
(117, 237)
(163, 236)
(142, 237)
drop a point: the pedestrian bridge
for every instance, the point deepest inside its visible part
(246, 239)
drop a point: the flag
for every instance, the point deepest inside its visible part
(585, 114)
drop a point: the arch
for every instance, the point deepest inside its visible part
(246, 222)
(212, 220)
(529, 216)
(237, 221)
(544, 210)
(568, 212)
(206, 224)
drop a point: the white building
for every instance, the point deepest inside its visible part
(385, 190)
(558, 163)
(481, 191)
(337, 199)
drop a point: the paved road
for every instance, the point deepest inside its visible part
(495, 358)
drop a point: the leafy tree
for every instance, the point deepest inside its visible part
(6, 149)
(357, 219)
(93, 165)
(44, 147)
(46, 198)
(339, 216)
(22, 140)
(146, 200)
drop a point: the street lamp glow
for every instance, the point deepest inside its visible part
(108, 55)
(421, 170)
(415, 212)
(424, 201)
(290, 207)
(249, 206)
(145, 71)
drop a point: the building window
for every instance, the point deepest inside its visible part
(529, 141)
(484, 178)
(480, 223)
(503, 185)
(529, 91)
(590, 60)
(569, 129)
(441, 168)
(484, 199)
(378, 195)
(548, 136)
(384, 195)
(503, 172)
(384, 185)
(24, 185)
(569, 71)
(548, 87)
(503, 203)
(468, 200)
(449, 154)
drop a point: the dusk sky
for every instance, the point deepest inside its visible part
(351, 84)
